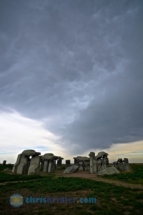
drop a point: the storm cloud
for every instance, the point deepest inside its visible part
(75, 66)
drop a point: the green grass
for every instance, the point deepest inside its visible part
(111, 199)
(63, 184)
(5, 166)
(136, 176)
(63, 166)
(4, 177)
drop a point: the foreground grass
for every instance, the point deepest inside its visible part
(136, 176)
(4, 177)
(111, 199)
(7, 177)
(10, 166)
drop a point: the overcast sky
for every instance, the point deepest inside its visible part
(71, 77)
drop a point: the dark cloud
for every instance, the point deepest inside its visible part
(116, 118)
(76, 66)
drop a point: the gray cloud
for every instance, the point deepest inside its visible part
(76, 66)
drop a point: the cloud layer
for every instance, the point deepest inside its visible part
(19, 133)
(75, 66)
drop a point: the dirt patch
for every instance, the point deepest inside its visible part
(119, 183)
(98, 178)
(86, 175)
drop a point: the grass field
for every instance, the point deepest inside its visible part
(111, 199)
(135, 176)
